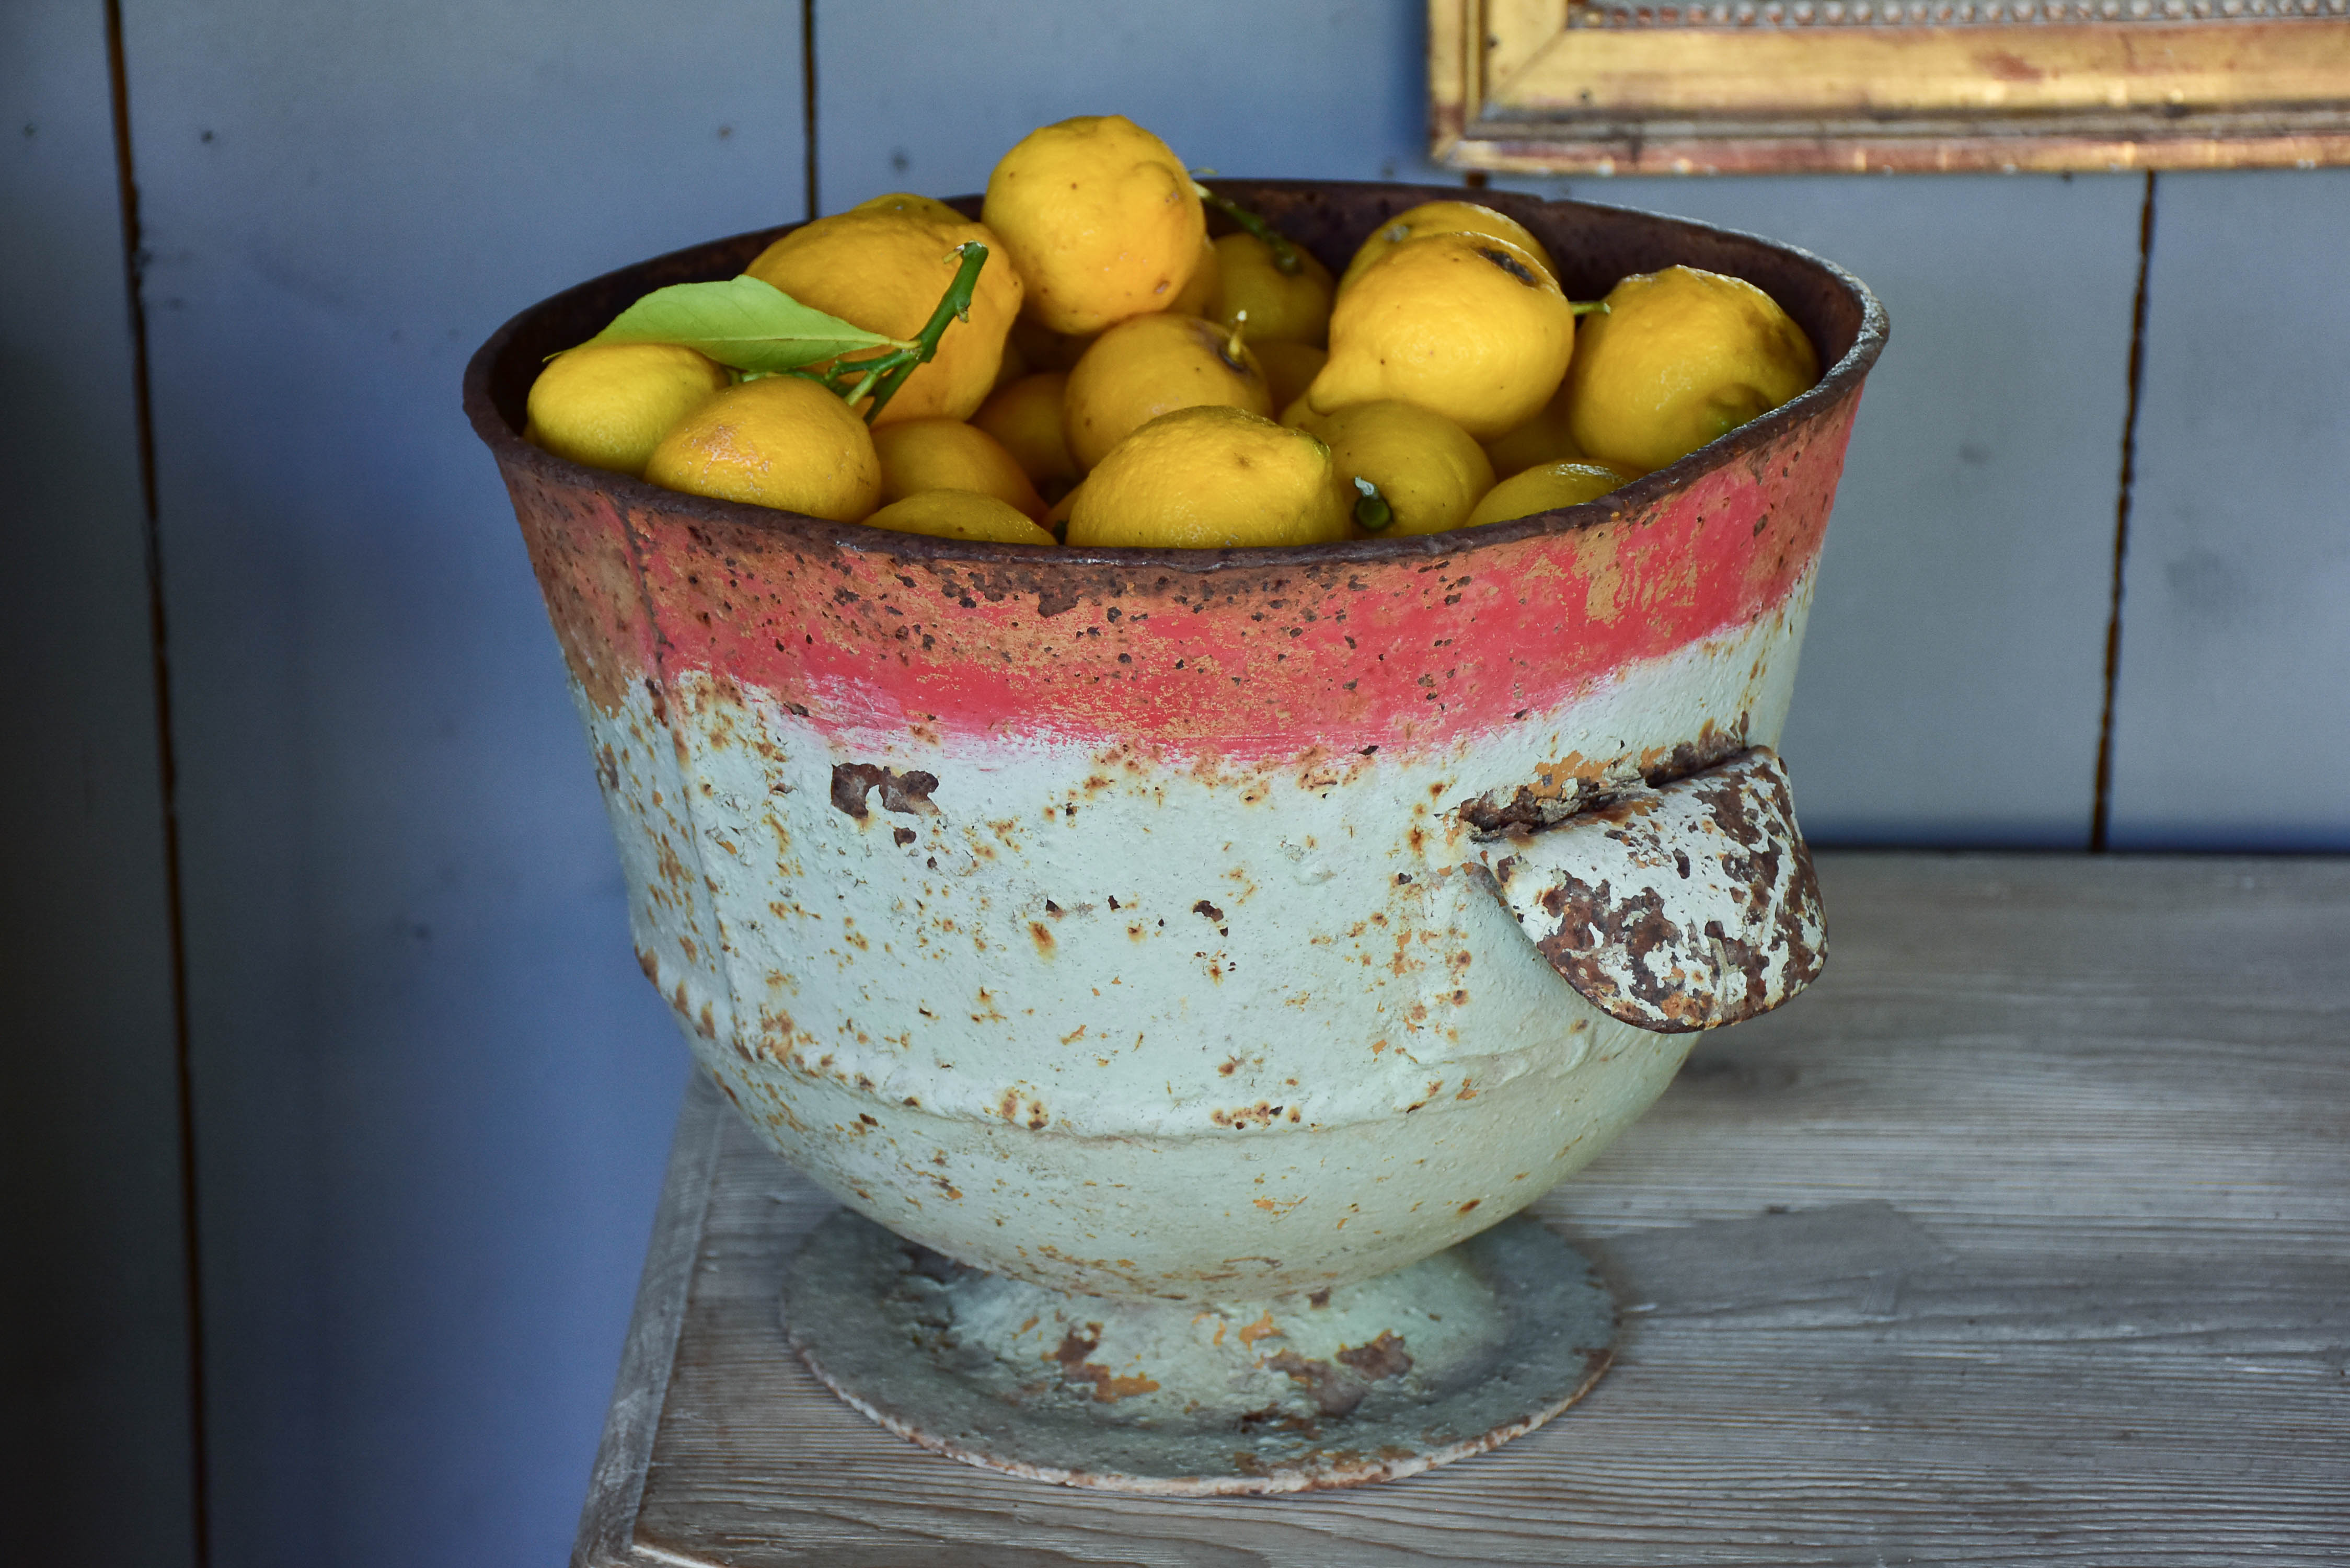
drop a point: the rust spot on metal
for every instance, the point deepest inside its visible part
(902, 835)
(1205, 908)
(1263, 1328)
(1333, 1391)
(906, 793)
(1108, 1387)
(1472, 1203)
(1569, 788)
(1042, 936)
(1382, 1357)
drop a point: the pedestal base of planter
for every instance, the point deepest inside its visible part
(1451, 1356)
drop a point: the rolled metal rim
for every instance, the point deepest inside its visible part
(492, 396)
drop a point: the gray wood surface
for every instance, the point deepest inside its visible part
(95, 1452)
(2233, 722)
(2023, 1238)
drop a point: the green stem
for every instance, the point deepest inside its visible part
(1371, 509)
(884, 373)
(1584, 308)
(1285, 252)
(953, 306)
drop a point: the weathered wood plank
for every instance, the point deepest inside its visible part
(2232, 723)
(1968, 577)
(2024, 1238)
(1332, 87)
(404, 917)
(97, 1458)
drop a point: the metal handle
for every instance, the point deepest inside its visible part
(1681, 906)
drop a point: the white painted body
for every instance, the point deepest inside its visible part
(1357, 1060)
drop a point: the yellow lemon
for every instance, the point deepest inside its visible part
(1298, 415)
(1426, 473)
(1545, 489)
(1199, 295)
(1281, 306)
(960, 515)
(781, 441)
(1444, 218)
(1463, 323)
(1057, 519)
(1204, 477)
(947, 454)
(885, 271)
(607, 405)
(1678, 359)
(1151, 366)
(910, 205)
(1027, 418)
(1542, 439)
(1102, 221)
(1289, 369)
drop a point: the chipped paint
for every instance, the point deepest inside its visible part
(1682, 907)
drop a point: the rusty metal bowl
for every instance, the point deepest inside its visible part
(1205, 925)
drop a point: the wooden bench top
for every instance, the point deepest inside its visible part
(2023, 1238)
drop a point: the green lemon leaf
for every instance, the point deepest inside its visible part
(743, 322)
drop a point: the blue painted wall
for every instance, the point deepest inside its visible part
(431, 1094)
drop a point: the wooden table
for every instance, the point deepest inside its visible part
(2023, 1238)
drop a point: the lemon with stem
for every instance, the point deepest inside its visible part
(790, 437)
(1412, 471)
(883, 271)
(1151, 366)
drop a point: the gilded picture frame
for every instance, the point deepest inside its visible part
(1703, 87)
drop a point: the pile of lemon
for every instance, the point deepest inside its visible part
(1119, 378)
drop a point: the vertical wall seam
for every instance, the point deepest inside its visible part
(134, 266)
(2101, 811)
(807, 102)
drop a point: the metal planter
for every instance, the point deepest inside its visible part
(1206, 925)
